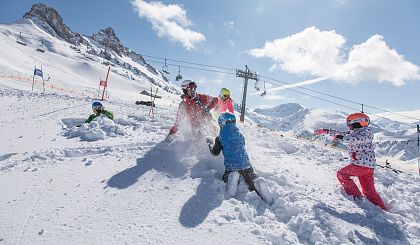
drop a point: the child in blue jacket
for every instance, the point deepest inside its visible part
(232, 143)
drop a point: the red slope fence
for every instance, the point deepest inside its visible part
(51, 86)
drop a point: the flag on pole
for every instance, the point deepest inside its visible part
(103, 83)
(38, 72)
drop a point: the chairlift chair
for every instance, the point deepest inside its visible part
(21, 40)
(264, 92)
(179, 77)
(40, 48)
(256, 85)
(165, 68)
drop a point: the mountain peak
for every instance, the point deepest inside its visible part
(108, 39)
(48, 19)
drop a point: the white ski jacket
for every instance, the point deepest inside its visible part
(360, 146)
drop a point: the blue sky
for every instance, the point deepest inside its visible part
(363, 51)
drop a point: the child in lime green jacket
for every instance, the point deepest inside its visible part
(98, 110)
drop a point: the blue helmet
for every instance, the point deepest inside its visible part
(97, 106)
(226, 118)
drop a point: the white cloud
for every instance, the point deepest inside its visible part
(169, 21)
(320, 53)
(231, 43)
(229, 24)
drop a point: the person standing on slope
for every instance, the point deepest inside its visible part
(99, 109)
(362, 164)
(224, 104)
(194, 109)
(231, 142)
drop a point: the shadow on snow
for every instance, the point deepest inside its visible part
(161, 158)
(386, 232)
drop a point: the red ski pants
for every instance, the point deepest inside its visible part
(365, 176)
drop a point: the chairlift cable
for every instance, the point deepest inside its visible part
(340, 98)
(229, 73)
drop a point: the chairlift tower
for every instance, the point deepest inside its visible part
(247, 74)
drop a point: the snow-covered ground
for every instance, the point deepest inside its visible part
(115, 182)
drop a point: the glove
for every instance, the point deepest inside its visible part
(321, 131)
(205, 110)
(209, 142)
(173, 130)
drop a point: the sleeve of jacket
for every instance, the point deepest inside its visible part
(179, 114)
(361, 136)
(110, 115)
(90, 118)
(209, 101)
(217, 147)
(230, 105)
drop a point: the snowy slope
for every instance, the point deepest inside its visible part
(75, 67)
(114, 182)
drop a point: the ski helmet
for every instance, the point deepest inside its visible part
(188, 84)
(224, 92)
(226, 118)
(357, 120)
(97, 106)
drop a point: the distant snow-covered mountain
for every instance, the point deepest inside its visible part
(282, 117)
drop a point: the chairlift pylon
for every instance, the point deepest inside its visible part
(179, 76)
(21, 40)
(165, 68)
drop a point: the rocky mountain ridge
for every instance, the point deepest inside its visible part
(105, 44)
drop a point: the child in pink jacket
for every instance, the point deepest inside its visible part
(224, 104)
(362, 158)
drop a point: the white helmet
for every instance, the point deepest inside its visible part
(186, 84)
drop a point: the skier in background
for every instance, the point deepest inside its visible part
(99, 109)
(224, 104)
(362, 164)
(193, 110)
(231, 142)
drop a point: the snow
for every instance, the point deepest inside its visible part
(123, 181)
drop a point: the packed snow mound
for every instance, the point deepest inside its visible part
(99, 129)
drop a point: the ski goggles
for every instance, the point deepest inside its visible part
(97, 108)
(363, 122)
(192, 85)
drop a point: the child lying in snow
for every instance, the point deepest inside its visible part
(362, 164)
(232, 143)
(99, 109)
